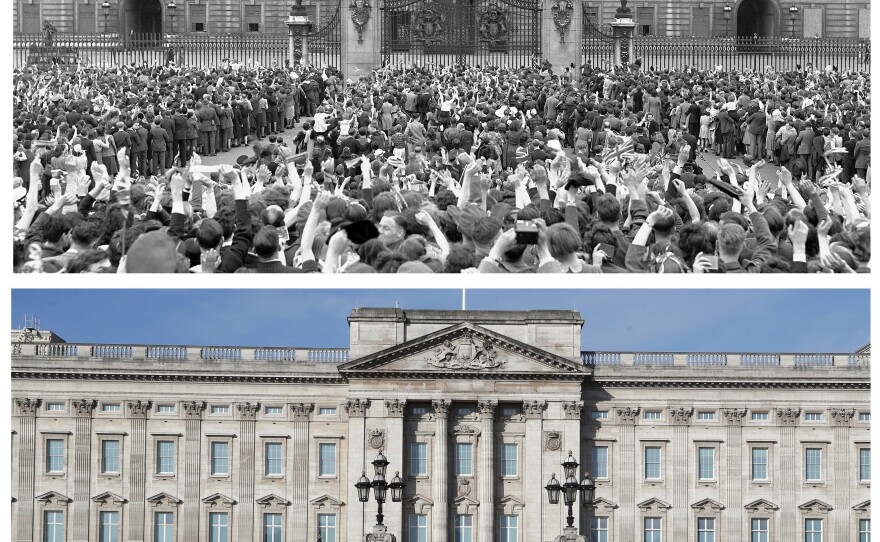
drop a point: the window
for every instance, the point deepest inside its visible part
(109, 456)
(864, 464)
(218, 527)
(53, 526)
(327, 459)
(599, 529)
(465, 411)
(864, 530)
(509, 411)
(164, 527)
(509, 528)
(271, 527)
(705, 529)
(464, 528)
(599, 468)
(111, 407)
(55, 406)
(705, 415)
(274, 410)
(418, 459)
(252, 16)
(813, 530)
(418, 528)
(108, 530)
(813, 417)
(760, 530)
(165, 457)
(55, 455)
(464, 459)
(327, 527)
(652, 463)
(706, 463)
(863, 416)
(652, 415)
(273, 459)
(600, 414)
(813, 463)
(760, 416)
(653, 530)
(509, 454)
(419, 411)
(198, 17)
(165, 409)
(760, 457)
(219, 458)
(219, 409)
(327, 411)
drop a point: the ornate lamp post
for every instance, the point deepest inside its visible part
(380, 490)
(793, 13)
(298, 24)
(105, 9)
(727, 12)
(570, 490)
(172, 9)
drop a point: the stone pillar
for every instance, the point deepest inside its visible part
(27, 427)
(247, 469)
(571, 435)
(356, 409)
(678, 468)
(487, 471)
(298, 24)
(561, 34)
(191, 478)
(440, 473)
(137, 477)
(82, 441)
(841, 419)
(299, 473)
(624, 518)
(361, 50)
(733, 473)
(789, 521)
(533, 475)
(623, 27)
(394, 409)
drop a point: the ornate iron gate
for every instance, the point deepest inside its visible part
(325, 43)
(598, 39)
(445, 32)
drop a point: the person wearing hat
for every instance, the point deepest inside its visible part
(862, 154)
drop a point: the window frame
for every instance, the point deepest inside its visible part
(62, 404)
(211, 468)
(593, 470)
(410, 527)
(861, 465)
(765, 416)
(515, 528)
(101, 526)
(711, 416)
(114, 408)
(865, 419)
(599, 415)
(767, 465)
(805, 464)
(645, 448)
(156, 457)
(282, 460)
(813, 417)
(101, 470)
(458, 530)
(335, 411)
(653, 530)
(172, 406)
(319, 446)
(752, 530)
(213, 410)
(701, 446)
(44, 525)
(596, 530)
(457, 458)
(652, 418)
(264, 527)
(861, 532)
(423, 460)
(335, 526)
(210, 531)
(56, 437)
(155, 533)
(821, 531)
(503, 463)
(279, 413)
(713, 531)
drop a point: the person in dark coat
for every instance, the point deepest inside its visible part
(167, 124)
(140, 148)
(207, 118)
(862, 154)
(180, 136)
(159, 139)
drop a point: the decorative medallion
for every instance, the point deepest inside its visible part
(468, 353)
(464, 487)
(562, 17)
(376, 439)
(552, 440)
(360, 16)
(462, 428)
(493, 25)
(429, 24)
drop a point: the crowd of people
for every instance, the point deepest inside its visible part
(441, 169)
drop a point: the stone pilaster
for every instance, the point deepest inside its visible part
(533, 476)
(394, 409)
(357, 435)
(624, 519)
(440, 474)
(137, 475)
(571, 437)
(248, 420)
(678, 466)
(82, 440)
(561, 42)
(487, 472)
(193, 411)
(787, 419)
(27, 427)
(732, 481)
(361, 52)
(841, 419)
(299, 473)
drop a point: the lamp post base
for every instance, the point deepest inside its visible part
(570, 534)
(380, 534)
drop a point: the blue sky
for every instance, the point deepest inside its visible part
(629, 320)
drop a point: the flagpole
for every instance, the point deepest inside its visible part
(464, 299)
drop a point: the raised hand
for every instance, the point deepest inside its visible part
(210, 260)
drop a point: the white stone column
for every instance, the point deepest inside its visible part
(440, 473)
(394, 409)
(571, 435)
(787, 420)
(247, 469)
(299, 450)
(27, 409)
(625, 518)
(843, 471)
(678, 467)
(487, 472)
(79, 520)
(533, 475)
(356, 409)
(191, 477)
(733, 473)
(137, 411)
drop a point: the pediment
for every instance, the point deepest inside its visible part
(509, 504)
(272, 500)
(816, 505)
(464, 499)
(419, 503)
(761, 505)
(603, 504)
(326, 501)
(109, 498)
(160, 499)
(708, 504)
(464, 350)
(219, 499)
(53, 497)
(864, 506)
(654, 504)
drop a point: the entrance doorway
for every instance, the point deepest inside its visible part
(141, 18)
(756, 17)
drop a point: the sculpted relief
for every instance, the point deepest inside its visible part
(467, 353)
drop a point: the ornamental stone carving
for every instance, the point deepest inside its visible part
(493, 25)
(83, 407)
(487, 408)
(562, 10)
(301, 411)
(552, 440)
(842, 417)
(466, 354)
(464, 487)
(247, 410)
(356, 407)
(681, 415)
(376, 440)
(429, 24)
(733, 416)
(139, 409)
(627, 415)
(194, 409)
(533, 410)
(395, 407)
(441, 407)
(788, 416)
(463, 429)
(360, 16)
(573, 409)
(28, 407)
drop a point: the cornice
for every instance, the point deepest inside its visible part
(862, 384)
(167, 377)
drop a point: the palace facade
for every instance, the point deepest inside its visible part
(475, 410)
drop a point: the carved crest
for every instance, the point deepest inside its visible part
(562, 17)
(429, 24)
(376, 439)
(468, 354)
(464, 429)
(360, 16)
(493, 25)
(552, 440)
(464, 487)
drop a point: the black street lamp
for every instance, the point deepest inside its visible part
(727, 12)
(105, 8)
(570, 490)
(380, 491)
(172, 9)
(793, 13)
